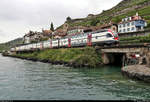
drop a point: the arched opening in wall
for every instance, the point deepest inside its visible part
(116, 59)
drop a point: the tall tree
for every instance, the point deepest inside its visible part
(52, 27)
(68, 18)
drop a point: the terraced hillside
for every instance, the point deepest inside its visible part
(115, 14)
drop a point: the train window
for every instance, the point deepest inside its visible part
(109, 35)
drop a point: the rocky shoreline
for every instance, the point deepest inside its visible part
(67, 64)
(137, 72)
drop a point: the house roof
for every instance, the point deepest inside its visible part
(31, 33)
(130, 21)
(76, 27)
(60, 32)
(133, 18)
(47, 32)
(107, 25)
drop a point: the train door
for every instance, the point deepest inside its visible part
(36, 46)
(51, 44)
(58, 43)
(89, 40)
(41, 45)
(32, 47)
(69, 42)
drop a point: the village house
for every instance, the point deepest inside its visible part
(26, 38)
(47, 33)
(32, 37)
(132, 24)
(37, 36)
(75, 30)
(59, 33)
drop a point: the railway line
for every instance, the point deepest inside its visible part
(97, 38)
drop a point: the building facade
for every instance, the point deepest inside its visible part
(26, 39)
(59, 33)
(47, 33)
(75, 30)
(111, 26)
(36, 36)
(131, 24)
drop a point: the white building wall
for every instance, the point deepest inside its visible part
(27, 40)
(130, 28)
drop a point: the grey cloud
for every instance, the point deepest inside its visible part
(23, 15)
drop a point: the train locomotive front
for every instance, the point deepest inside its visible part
(103, 37)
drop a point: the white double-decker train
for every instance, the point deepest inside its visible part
(100, 37)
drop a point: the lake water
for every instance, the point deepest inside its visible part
(27, 80)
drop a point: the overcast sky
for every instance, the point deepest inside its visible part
(17, 17)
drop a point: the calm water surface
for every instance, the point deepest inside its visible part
(26, 80)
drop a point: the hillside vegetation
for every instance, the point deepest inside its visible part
(8, 45)
(136, 39)
(115, 14)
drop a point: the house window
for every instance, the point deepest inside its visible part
(132, 28)
(119, 26)
(128, 24)
(128, 29)
(124, 30)
(132, 23)
(124, 25)
(120, 31)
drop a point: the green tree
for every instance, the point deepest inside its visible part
(68, 18)
(52, 27)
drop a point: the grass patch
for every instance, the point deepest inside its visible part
(86, 56)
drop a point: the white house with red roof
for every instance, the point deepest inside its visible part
(132, 24)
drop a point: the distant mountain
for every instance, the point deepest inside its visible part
(8, 45)
(115, 14)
